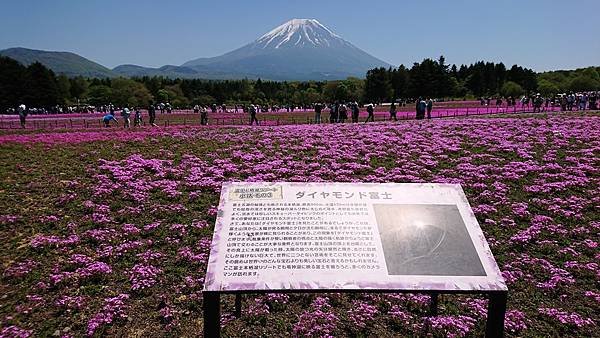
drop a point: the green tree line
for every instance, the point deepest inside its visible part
(37, 86)
(436, 79)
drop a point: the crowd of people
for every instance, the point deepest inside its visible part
(126, 115)
(339, 112)
(566, 101)
(423, 106)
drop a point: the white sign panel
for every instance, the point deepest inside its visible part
(331, 236)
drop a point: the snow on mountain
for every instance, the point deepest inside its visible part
(300, 49)
(299, 32)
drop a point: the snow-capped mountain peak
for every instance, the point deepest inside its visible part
(299, 32)
(300, 49)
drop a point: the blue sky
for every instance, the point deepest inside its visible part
(543, 35)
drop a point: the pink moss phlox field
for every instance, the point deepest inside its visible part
(318, 321)
(107, 232)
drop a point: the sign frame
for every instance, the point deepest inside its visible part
(492, 285)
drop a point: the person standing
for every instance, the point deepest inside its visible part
(393, 112)
(318, 110)
(343, 113)
(593, 105)
(204, 116)
(583, 101)
(22, 115)
(571, 101)
(371, 112)
(196, 109)
(253, 114)
(152, 115)
(421, 108)
(355, 112)
(333, 113)
(125, 113)
(137, 119)
(538, 101)
(563, 102)
(429, 108)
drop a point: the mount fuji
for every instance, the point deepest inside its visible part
(300, 49)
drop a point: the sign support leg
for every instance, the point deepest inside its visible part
(212, 314)
(433, 305)
(238, 305)
(495, 315)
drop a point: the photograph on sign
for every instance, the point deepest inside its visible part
(421, 239)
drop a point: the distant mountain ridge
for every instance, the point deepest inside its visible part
(134, 70)
(300, 49)
(69, 64)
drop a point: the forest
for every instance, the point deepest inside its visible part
(37, 86)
